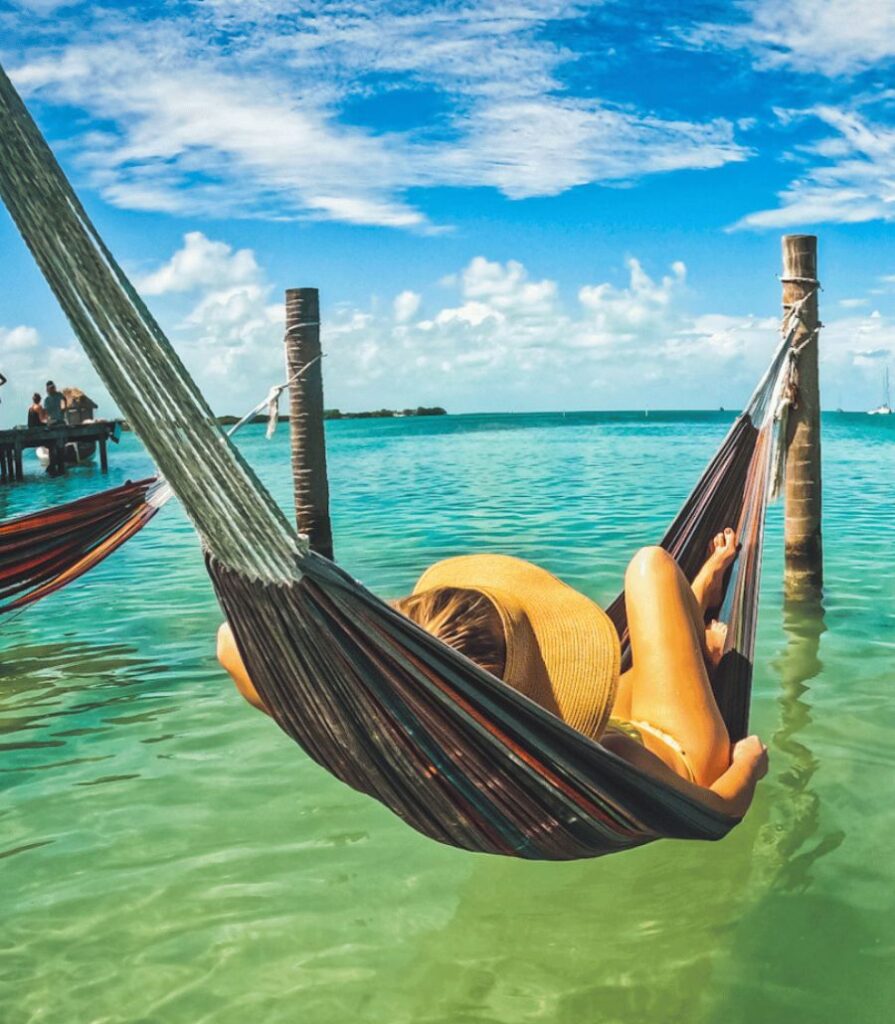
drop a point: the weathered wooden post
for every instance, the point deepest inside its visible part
(802, 529)
(306, 418)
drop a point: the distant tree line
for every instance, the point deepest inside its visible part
(337, 414)
(383, 414)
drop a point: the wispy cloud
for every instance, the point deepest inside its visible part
(830, 38)
(852, 174)
(190, 137)
(256, 110)
(544, 146)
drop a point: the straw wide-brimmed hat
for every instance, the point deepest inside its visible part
(562, 648)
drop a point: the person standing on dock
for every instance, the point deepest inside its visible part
(54, 405)
(36, 415)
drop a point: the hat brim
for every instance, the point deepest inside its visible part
(562, 649)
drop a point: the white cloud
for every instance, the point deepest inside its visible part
(201, 262)
(506, 285)
(639, 312)
(507, 339)
(17, 339)
(503, 338)
(630, 345)
(267, 124)
(511, 341)
(854, 183)
(406, 306)
(832, 38)
(472, 313)
(233, 339)
(230, 336)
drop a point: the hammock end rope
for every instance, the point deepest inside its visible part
(788, 386)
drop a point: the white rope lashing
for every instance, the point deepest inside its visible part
(787, 389)
(161, 492)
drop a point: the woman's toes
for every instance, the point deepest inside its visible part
(727, 549)
(715, 637)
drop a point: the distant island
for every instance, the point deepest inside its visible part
(334, 414)
(384, 414)
(337, 414)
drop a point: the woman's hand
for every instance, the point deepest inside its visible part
(736, 787)
(752, 752)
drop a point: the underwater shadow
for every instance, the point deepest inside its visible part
(795, 820)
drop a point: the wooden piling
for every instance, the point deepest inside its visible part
(802, 529)
(309, 476)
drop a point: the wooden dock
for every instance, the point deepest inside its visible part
(14, 442)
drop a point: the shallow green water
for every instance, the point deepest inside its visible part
(168, 856)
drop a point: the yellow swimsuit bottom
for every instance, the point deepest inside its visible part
(635, 731)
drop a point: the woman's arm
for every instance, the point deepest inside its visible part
(730, 794)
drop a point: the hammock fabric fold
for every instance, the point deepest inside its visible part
(371, 697)
(43, 551)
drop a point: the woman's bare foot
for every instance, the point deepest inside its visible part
(715, 637)
(707, 585)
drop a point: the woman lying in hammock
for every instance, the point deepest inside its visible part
(560, 649)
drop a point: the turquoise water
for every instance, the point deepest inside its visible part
(168, 856)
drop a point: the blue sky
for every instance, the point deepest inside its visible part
(517, 206)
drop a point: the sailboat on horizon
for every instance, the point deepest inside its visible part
(886, 408)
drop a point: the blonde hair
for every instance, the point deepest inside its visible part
(465, 619)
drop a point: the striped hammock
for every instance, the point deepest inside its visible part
(374, 699)
(41, 552)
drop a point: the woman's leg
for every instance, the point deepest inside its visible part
(668, 684)
(706, 589)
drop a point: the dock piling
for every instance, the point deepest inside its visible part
(310, 483)
(802, 527)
